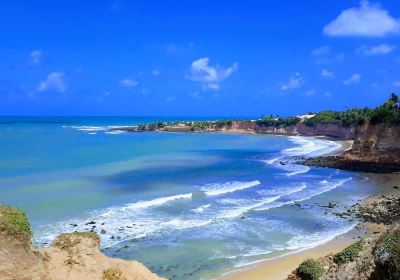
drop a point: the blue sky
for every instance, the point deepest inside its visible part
(196, 58)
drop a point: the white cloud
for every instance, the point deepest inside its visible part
(36, 57)
(327, 74)
(155, 73)
(128, 83)
(376, 50)
(325, 55)
(310, 92)
(210, 76)
(294, 82)
(325, 50)
(210, 87)
(354, 79)
(368, 20)
(396, 84)
(53, 83)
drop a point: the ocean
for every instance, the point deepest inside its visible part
(189, 206)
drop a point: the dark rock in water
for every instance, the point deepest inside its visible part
(339, 162)
(243, 217)
(74, 225)
(112, 237)
(91, 223)
(395, 187)
(103, 231)
(330, 205)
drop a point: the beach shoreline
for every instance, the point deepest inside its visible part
(279, 268)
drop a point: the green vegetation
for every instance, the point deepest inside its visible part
(66, 241)
(345, 118)
(387, 256)
(310, 270)
(387, 113)
(113, 274)
(350, 253)
(14, 222)
(222, 123)
(277, 122)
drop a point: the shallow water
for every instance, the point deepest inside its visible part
(188, 205)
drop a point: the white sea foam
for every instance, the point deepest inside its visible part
(185, 224)
(155, 202)
(302, 242)
(312, 193)
(114, 132)
(310, 146)
(126, 222)
(273, 160)
(201, 208)
(300, 170)
(87, 128)
(306, 241)
(229, 187)
(238, 211)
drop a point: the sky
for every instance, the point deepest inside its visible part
(196, 58)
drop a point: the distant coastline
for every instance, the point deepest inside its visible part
(374, 132)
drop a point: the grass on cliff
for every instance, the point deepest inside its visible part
(350, 253)
(387, 256)
(14, 222)
(113, 274)
(66, 241)
(310, 270)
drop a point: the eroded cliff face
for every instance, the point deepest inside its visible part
(72, 256)
(372, 143)
(376, 143)
(331, 130)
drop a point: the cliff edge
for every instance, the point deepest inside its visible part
(72, 256)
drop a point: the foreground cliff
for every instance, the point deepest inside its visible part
(72, 256)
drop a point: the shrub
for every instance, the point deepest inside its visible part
(14, 222)
(310, 270)
(387, 256)
(277, 122)
(66, 241)
(350, 253)
(113, 274)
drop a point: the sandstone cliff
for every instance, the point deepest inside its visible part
(372, 142)
(376, 143)
(330, 130)
(72, 256)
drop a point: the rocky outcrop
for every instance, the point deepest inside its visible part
(376, 257)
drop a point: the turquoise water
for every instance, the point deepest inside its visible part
(187, 205)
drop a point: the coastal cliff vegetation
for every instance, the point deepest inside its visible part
(387, 113)
(71, 256)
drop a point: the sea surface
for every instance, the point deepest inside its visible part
(189, 206)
